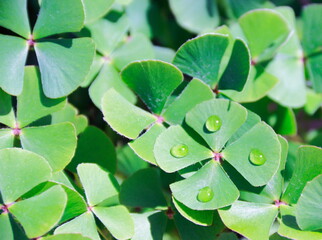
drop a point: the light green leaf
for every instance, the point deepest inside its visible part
(307, 167)
(164, 54)
(6, 138)
(94, 146)
(138, 12)
(265, 30)
(136, 191)
(66, 237)
(13, 52)
(117, 220)
(238, 154)
(70, 114)
(59, 17)
(56, 143)
(252, 220)
(5, 226)
(96, 9)
(99, 185)
(32, 104)
(143, 146)
(46, 210)
(312, 34)
(210, 175)
(308, 208)
(123, 117)
(171, 137)
(83, 224)
(201, 57)
(149, 225)
(313, 101)
(315, 72)
(194, 93)
(195, 16)
(109, 78)
(20, 171)
(60, 73)
(289, 228)
(138, 47)
(94, 70)
(231, 114)
(7, 115)
(238, 7)
(202, 218)
(108, 34)
(14, 16)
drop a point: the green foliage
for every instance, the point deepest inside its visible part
(194, 120)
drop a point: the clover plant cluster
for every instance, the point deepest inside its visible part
(160, 120)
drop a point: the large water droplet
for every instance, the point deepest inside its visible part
(179, 151)
(256, 157)
(205, 194)
(213, 123)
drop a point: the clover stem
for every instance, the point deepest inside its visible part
(16, 130)
(160, 119)
(169, 213)
(5, 208)
(31, 41)
(217, 157)
(278, 203)
(106, 59)
(89, 208)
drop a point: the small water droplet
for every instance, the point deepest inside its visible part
(256, 157)
(205, 194)
(179, 151)
(213, 123)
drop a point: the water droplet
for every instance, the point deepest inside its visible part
(213, 123)
(256, 157)
(179, 151)
(205, 194)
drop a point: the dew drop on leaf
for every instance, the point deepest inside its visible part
(256, 157)
(179, 151)
(205, 194)
(213, 123)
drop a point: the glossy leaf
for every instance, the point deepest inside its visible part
(153, 81)
(143, 146)
(149, 225)
(195, 16)
(265, 30)
(137, 47)
(307, 167)
(57, 143)
(238, 154)
(173, 136)
(83, 224)
(6, 138)
(123, 117)
(244, 218)
(202, 218)
(96, 9)
(14, 16)
(308, 208)
(60, 73)
(231, 114)
(59, 17)
(46, 209)
(210, 175)
(289, 228)
(20, 171)
(201, 57)
(109, 78)
(99, 185)
(32, 103)
(194, 93)
(13, 52)
(117, 219)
